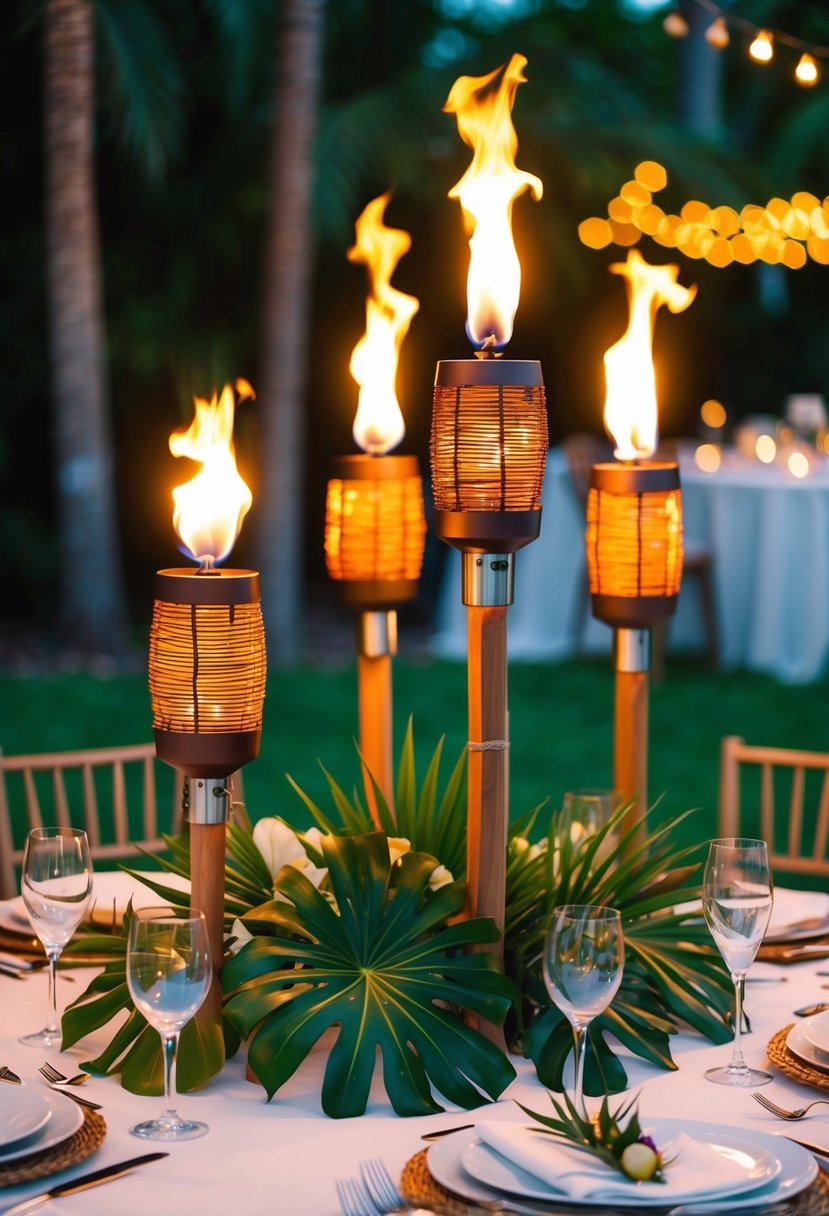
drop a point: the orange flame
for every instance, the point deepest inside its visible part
(209, 509)
(486, 192)
(630, 413)
(378, 425)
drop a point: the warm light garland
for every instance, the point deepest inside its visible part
(762, 39)
(782, 231)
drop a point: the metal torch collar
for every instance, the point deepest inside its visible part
(377, 634)
(632, 650)
(207, 799)
(488, 579)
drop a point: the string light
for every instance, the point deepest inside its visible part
(806, 72)
(717, 34)
(762, 40)
(787, 232)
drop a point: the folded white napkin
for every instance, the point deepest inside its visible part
(695, 1166)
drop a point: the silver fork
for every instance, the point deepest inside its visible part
(6, 1074)
(354, 1198)
(381, 1189)
(54, 1077)
(781, 1111)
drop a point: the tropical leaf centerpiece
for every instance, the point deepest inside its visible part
(344, 927)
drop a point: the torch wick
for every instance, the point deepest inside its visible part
(207, 565)
(487, 350)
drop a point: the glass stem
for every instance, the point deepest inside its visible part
(169, 1041)
(52, 1027)
(737, 1060)
(580, 1040)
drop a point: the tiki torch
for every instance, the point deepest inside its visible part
(207, 656)
(634, 520)
(488, 451)
(375, 528)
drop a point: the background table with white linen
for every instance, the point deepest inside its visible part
(767, 531)
(283, 1157)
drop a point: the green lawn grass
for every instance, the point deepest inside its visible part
(560, 726)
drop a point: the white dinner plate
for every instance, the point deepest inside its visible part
(800, 1046)
(22, 1112)
(816, 1031)
(110, 887)
(798, 1168)
(66, 1118)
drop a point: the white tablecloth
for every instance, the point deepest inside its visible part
(769, 535)
(282, 1158)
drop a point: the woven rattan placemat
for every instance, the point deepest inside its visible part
(791, 1064)
(419, 1187)
(79, 1146)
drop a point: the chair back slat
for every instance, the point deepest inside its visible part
(807, 817)
(119, 803)
(61, 801)
(93, 789)
(822, 828)
(796, 811)
(32, 802)
(90, 807)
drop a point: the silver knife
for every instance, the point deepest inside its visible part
(83, 1183)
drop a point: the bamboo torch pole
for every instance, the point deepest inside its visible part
(630, 738)
(208, 812)
(377, 643)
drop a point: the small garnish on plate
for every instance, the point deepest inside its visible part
(615, 1138)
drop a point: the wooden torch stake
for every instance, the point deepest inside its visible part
(207, 874)
(374, 679)
(630, 737)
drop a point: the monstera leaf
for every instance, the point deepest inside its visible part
(379, 961)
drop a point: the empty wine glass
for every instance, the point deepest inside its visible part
(168, 974)
(584, 954)
(585, 812)
(737, 900)
(56, 884)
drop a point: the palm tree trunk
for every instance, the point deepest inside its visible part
(93, 610)
(700, 76)
(288, 273)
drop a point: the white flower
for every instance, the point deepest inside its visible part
(280, 846)
(441, 877)
(277, 843)
(398, 845)
(241, 936)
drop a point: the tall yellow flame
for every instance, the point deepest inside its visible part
(379, 425)
(483, 106)
(209, 509)
(630, 412)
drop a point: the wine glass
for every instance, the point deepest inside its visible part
(168, 974)
(737, 899)
(56, 884)
(584, 954)
(585, 812)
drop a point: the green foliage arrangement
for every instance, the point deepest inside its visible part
(384, 965)
(367, 924)
(432, 820)
(673, 974)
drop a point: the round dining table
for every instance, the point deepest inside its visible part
(282, 1158)
(767, 533)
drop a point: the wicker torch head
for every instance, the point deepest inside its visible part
(207, 670)
(634, 542)
(488, 452)
(375, 529)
